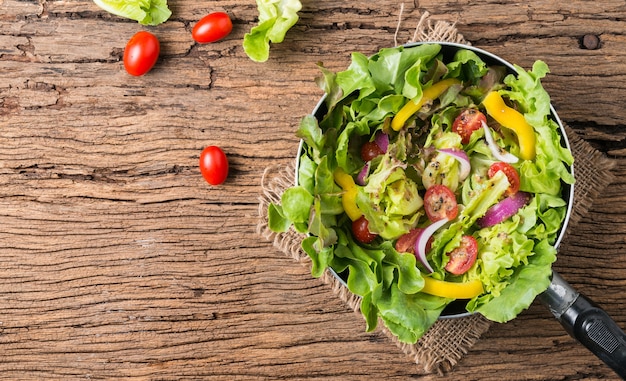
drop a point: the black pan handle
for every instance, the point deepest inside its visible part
(588, 323)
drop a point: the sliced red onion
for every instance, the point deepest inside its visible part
(360, 178)
(504, 209)
(461, 157)
(382, 141)
(422, 241)
(498, 152)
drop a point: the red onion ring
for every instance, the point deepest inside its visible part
(360, 178)
(382, 141)
(504, 209)
(422, 240)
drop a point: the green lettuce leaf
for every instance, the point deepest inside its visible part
(365, 267)
(408, 316)
(321, 257)
(467, 66)
(357, 77)
(146, 12)
(297, 202)
(389, 67)
(523, 286)
(276, 219)
(276, 17)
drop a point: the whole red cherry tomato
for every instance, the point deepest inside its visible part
(213, 165)
(361, 231)
(141, 53)
(212, 27)
(370, 150)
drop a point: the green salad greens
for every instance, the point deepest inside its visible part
(145, 12)
(276, 17)
(411, 99)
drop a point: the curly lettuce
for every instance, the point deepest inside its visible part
(146, 12)
(276, 17)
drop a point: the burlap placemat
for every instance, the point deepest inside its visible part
(448, 340)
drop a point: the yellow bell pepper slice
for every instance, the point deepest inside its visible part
(452, 290)
(513, 120)
(429, 94)
(348, 199)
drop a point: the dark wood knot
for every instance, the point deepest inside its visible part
(590, 42)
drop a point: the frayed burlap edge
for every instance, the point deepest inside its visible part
(428, 30)
(448, 340)
(593, 172)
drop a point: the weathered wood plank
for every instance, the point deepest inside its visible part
(119, 261)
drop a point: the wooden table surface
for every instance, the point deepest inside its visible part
(118, 261)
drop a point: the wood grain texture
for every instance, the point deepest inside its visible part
(119, 262)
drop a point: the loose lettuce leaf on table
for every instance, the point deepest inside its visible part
(146, 12)
(276, 17)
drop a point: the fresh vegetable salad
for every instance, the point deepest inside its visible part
(427, 179)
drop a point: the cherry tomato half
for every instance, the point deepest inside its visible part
(141, 53)
(509, 172)
(212, 27)
(440, 203)
(213, 165)
(467, 122)
(406, 243)
(361, 230)
(463, 257)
